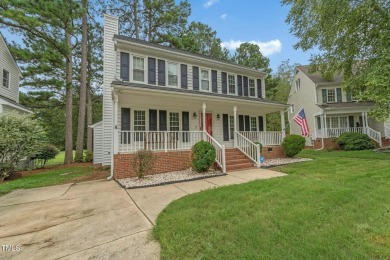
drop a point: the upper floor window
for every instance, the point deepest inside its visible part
(297, 85)
(138, 68)
(331, 95)
(173, 74)
(232, 84)
(252, 88)
(5, 78)
(205, 80)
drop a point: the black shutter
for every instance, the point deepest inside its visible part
(339, 96)
(360, 121)
(259, 90)
(224, 82)
(125, 66)
(324, 96)
(163, 120)
(225, 123)
(195, 78)
(214, 81)
(152, 120)
(186, 125)
(240, 123)
(247, 123)
(151, 70)
(349, 98)
(318, 122)
(161, 72)
(239, 84)
(183, 72)
(125, 119)
(261, 123)
(351, 121)
(245, 86)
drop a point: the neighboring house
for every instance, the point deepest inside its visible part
(10, 75)
(159, 98)
(330, 111)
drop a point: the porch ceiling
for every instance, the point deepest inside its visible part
(192, 98)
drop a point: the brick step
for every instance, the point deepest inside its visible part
(240, 166)
(237, 161)
(236, 157)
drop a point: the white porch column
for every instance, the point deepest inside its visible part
(204, 117)
(366, 119)
(283, 124)
(325, 129)
(235, 126)
(116, 134)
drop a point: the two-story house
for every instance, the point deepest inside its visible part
(165, 100)
(10, 75)
(330, 111)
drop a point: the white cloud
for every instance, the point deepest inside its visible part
(266, 48)
(223, 17)
(210, 3)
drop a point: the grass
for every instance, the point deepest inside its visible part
(334, 207)
(47, 178)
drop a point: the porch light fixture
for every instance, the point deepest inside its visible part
(194, 115)
(218, 117)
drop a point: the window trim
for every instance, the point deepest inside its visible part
(327, 95)
(329, 122)
(169, 120)
(297, 84)
(250, 123)
(200, 79)
(231, 120)
(235, 84)
(132, 68)
(8, 80)
(255, 86)
(177, 71)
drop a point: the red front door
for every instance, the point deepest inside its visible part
(209, 123)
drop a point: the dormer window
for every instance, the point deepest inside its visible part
(5, 78)
(138, 69)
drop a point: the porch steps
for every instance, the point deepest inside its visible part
(236, 160)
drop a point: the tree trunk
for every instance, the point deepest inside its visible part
(136, 22)
(83, 87)
(69, 103)
(89, 116)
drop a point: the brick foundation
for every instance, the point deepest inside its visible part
(165, 162)
(273, 152)
(329, 143)
(385, 142)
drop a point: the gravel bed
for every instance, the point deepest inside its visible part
(282, 161)
(165, 178)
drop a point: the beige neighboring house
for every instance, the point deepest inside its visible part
(165, 100)
(329, 110)
(10, 75)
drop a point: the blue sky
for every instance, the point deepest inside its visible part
(260, 21)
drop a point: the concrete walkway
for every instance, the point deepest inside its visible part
(95, 220)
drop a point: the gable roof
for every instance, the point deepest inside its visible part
(10, 54)
(183, 52)
(317, 78)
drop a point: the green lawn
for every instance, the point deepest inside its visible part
(334, 207)
(58, 160)
(47, 178)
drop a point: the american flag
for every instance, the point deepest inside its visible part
(300, 119)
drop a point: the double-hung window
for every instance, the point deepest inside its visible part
(205, 80)
(173, 74)
(138, 69)
(174, 121)
(343, 122)
(5, 78)
(253, 124)
(252, 88)
(232, 84)
(231, 127)
(139, 123)
(331, 95)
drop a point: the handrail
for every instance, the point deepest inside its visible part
(219, 150)
(375, 135)
(387, 132)
(249, 148)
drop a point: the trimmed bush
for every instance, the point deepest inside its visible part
(293, 144)
(355, 141)
(46, 153)
(88, 156)
(143, 162)
(203, 156)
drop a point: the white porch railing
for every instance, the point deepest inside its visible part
(249, 148)
(375, 135)
(219, 149)
(265, 138)
(387, 132)
(336, 132)
(131, 141)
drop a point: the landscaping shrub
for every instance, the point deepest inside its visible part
(20, 137)
(143, 162)
(88, 156)
(355, 141)
(293, 144)
(203, 156)
(45, 153)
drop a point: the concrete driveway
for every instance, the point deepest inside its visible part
(94, 220)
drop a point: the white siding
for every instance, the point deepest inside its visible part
(98, 144)
(7, 62)
(109, 73)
